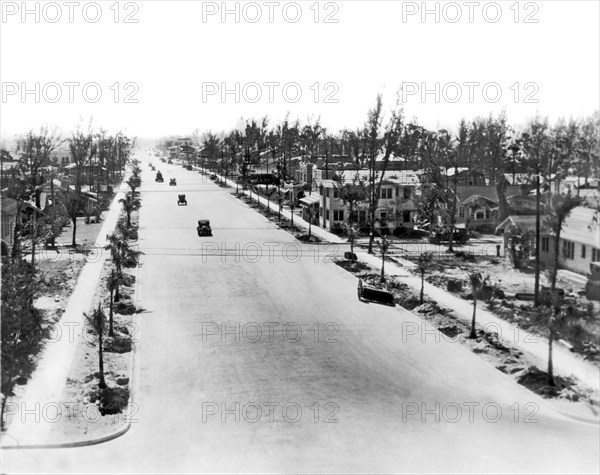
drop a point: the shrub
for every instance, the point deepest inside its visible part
(112, 400)
(125, 308)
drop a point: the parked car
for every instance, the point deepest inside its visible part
(204, 228)
(181, 200)
(172, 182)
(213, 176)
(368, 293)
(459, 236)
(159, 177)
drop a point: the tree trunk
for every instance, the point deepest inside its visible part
(422, 287)
(473, 334)
(73, 243)
(382, 278)
(102, 383)
(537, 242)
(110, 318)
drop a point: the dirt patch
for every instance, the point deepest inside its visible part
(450, 272)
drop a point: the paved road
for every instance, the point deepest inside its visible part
(265, 363)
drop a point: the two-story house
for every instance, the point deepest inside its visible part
(395, 202)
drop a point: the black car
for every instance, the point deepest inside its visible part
(459, 236)
(159, 177)
(172, 182)
(204, 228)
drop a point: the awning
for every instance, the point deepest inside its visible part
(310, 200)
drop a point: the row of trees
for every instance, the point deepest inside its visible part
(123, 254)
(35, 153)
(489, 145)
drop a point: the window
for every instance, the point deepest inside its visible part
(545, 244)
(406, 216)
(386, 193)
(336, 193)
(568, 249)
(362, 216)
(461, 212)
(595, 254)
(407, 193)
(338, 215)
(583, 251)
(383, 216)
(479, 214)
(487, 213)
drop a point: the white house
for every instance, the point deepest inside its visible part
(579, 241)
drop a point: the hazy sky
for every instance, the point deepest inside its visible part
(155, 68)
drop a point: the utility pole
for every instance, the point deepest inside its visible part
(537, 237)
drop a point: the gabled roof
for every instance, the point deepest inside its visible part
(486, 191)
(521, 223)
(582, 226)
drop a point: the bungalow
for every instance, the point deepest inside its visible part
(519, 225)
(478, 206)
(579, 241)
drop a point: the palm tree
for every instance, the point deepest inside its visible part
(477, 284)
(130, 204)
(96, 320)
(118, 248)
(425, 259)
(114, 280)
(134, 182)
(383, 245)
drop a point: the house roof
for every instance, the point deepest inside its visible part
(464, 192)
(310, 199)
(582, 226)
(403, 177)
(520, 223)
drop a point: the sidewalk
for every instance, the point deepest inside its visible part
(566, 363)
(42, 396)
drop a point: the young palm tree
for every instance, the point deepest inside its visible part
(425, 259)
(114, 280)
(130, 204)
(383, 245)
(96, 320)
(477, 284)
